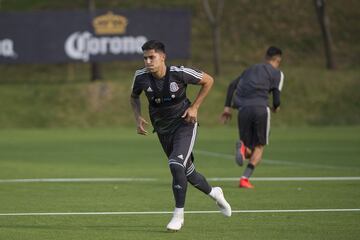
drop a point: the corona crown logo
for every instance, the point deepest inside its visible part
(110, 23)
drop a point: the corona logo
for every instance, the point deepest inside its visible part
(110, 24)
(83, 45)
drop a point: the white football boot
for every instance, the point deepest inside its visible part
(177, 221)
(218, 195)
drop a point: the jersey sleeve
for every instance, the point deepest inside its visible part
(231, 90)
(135, 88)
(276, 98)
(278, 80)
(191, 75)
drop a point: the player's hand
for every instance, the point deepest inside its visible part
(141, 122)
(275, 110)
(225, 115)
(190, 115)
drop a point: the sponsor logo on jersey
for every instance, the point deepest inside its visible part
(174, 87)
(7, 48)
(149, 89)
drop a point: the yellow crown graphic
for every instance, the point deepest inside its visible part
(110, 23)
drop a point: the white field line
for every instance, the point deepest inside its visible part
(48, 180)
(275, 179)
(269, 161)
(218, 179)
(187, 212)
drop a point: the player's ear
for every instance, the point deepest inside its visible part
(163, 56)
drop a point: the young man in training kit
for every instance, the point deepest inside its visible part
(249, 93)
(174, 119)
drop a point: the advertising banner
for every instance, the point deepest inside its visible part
(105, 35)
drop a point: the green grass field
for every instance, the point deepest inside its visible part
(120, 153)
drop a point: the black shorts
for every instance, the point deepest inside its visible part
(254, 125)
(179, 145)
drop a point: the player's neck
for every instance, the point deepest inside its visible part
(160, 73)
(273, 64)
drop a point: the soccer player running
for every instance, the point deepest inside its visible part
(174, 119)
(249, 93)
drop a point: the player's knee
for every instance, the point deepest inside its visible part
(177, 169)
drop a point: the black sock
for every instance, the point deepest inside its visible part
(249, 170)
(179, 184)
(199, 181)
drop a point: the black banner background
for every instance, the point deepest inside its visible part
(41, 37)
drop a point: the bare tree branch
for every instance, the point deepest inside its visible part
(208, 11)
(219, 12)
(325, 30)
(215, 25)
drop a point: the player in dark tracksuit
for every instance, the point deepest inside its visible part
(174, 119)
(249, 93)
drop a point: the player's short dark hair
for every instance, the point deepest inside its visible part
(273, 51)
(154, 45)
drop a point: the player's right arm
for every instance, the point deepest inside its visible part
(140, 121)
(136, 107)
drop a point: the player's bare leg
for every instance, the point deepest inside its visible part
(255, 159)
(248, 152)
(256, 155)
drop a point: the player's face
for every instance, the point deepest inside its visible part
(153, 60)
(276, 61)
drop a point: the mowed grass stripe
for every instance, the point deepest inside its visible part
(268, 161)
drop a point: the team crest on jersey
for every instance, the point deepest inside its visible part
(174, 87)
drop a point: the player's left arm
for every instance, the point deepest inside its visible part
(206, 83)
(276, 92)
(276, 100)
